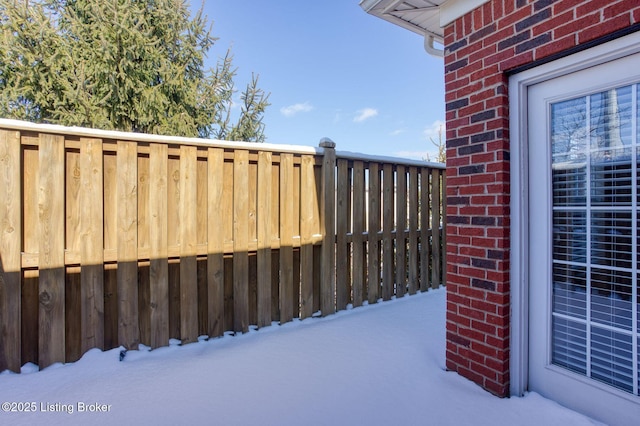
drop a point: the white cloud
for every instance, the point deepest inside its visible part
(292, 110)
(397, 132)
(431, 131)
(365, 114)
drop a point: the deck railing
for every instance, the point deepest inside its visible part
(113, 239)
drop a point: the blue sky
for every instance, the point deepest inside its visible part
(333, 71)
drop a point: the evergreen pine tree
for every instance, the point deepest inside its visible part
(131, 65)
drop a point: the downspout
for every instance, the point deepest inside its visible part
(429, 45)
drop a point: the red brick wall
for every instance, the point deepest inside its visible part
(481, 48)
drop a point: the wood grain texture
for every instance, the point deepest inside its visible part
(10, 246)
(401, 226)
(286, 237)
(387, 229)
(373, 244)
(188, 243)
(414, 256)
(215, 242)
(51, 203)
(241, 241)
(359, 213)
(106, 243)
(158, 235)
(308, 219)
(343, 220)
(264, 209)
(127, 273)
(425, 244)
(328, 224)
(91, 244)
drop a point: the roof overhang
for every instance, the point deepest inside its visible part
(424, 17)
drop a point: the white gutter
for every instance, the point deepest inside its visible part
(430, 38)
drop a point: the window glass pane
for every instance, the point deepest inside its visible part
(595, 288)
(568, 147)
(611, 298)
(611, 234)
(570, 236)
(570, 290)
(611, 175)
(611, 120)
(611, 358)
(569, 345)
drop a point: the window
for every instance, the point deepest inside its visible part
(595, 262)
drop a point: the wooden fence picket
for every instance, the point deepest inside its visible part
(110, 239)
(158, 234)
(373, 244)
(10, 242)
(51, 262)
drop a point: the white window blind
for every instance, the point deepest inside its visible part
(596, 300)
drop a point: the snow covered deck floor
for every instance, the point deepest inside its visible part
(374, 365)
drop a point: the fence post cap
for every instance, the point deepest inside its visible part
(327, 143)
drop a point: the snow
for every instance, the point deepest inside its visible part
(381, 364)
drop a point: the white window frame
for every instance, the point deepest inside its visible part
(518, 113)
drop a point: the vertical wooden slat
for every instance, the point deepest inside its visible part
(73, 217)
(387, 228)
(203, 298)
(201, 233)
(295, 293)
(143, 201)
(110, 215)
(328, 224)
(10, 246)
(252, 287)
(264, 238)
(188, 245)
(203, 194)
(29, 310)
(72, 314)
(158, 234)
(252, 193)
(317, 249)
(358, 229)
(127, 162)
(286, 237)
(173, 239)
(227, 200)
(401, 227)
(342, 227)
(215, 242)
(228, 320)
(373, 245)
(435, 228)
(91, 245)
(51, 201)
(425, 244)
(275, 235)
(308, 215)
(413, 230)
(241, 241)
(144, 282)
(30, 244)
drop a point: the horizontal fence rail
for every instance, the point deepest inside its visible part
(112, 239)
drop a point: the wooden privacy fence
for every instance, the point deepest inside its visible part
(113, 239)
